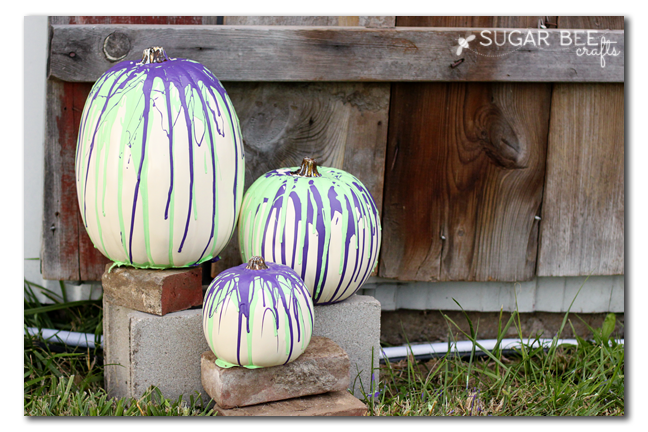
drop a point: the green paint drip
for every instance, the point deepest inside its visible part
(205, 161)
(252, 302)
(144, 188)
(97, 160)
(225, 364)
(287, 333)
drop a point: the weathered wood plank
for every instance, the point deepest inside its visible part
(464, 177)
(463, 181)
(365, 21)
(582, 228)
(297, 53)
(60, 232)
(147, 20)
(343, 125)
(591, 22)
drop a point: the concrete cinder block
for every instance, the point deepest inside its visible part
(322, 368)
(339, 403)
(156, 292)
(354, 324)
(116, 347)
(165, 352)
(142, 349)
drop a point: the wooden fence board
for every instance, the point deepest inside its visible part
(463, 181)
(60, 230)
(300, 53)
(365, 21)
(343, 125)
(582, 228)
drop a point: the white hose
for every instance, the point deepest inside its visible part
(85, 340)
(461, 347)
(464, 347)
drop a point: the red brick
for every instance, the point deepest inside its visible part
(157, 292)
(322, 368)
(340, 403)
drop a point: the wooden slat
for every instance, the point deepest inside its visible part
(463, 181)
(67, 253)
(582, 228)
(591, 22)
(343, 125)
(365, 21)
(294, 53)
(472, 21)
(146, 20)
(60, 232)
(340, 125)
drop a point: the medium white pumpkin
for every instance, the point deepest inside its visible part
(159, 163)
(322, 222)
(257, 315)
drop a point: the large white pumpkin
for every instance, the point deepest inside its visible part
(257, 315)
(159, 163)
(320, 221)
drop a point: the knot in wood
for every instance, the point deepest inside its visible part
(116, 46)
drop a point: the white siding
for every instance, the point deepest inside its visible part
(544, 294)
(34, 113)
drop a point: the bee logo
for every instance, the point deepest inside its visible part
(463, 43)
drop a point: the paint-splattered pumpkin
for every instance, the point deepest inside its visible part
(322, 222)
(258, 314)
(159, 163)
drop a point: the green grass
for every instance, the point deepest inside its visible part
(586, 379)
(69, 381)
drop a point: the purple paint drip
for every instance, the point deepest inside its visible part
(358, 253)
(167, 91)
(297, 205)
(94, 136)
(322, 260)
(148, 84)
(309, 218)
(276, 205)
(347, 241)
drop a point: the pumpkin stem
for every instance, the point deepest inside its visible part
(256, 263)
(153, 55)
(308, 169)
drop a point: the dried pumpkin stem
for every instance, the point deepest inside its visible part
(308, 169)
(256, 263)
(153, 55)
